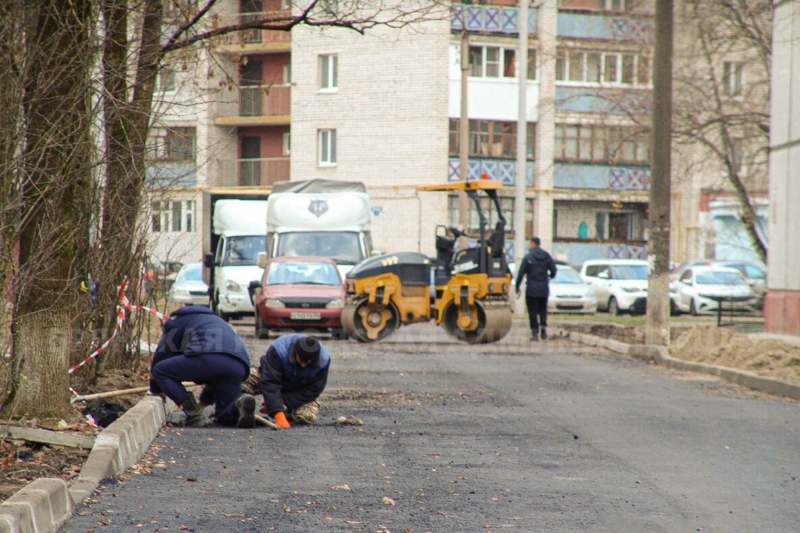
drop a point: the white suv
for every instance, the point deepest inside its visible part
(619, 284)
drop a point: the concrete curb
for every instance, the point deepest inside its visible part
(661, 356)
(44, 505)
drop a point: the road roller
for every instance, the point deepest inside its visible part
(465, 291)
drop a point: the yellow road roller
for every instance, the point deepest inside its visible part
(466, 291)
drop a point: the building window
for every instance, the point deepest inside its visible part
(174, 144)
(491, 138)
(286, 4)
(604, 68)
(327, 147)
(608, 145)
(328, 71)
(618, 5)
(732, 78)
(286, 74)
(287, 143)
(492, 62)
(166, 80)
(174, 216)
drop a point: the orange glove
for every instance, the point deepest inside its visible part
(280, 420)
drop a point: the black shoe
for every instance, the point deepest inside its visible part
(246, 405)
(544, 334)
(534, 335)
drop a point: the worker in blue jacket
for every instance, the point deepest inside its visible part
(197, 345)
(294, 372)
(539, 268)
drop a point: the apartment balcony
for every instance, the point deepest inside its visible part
(256, 41)
(598, 26)
(162, 174)
(250, 172)
(500, 19)
(259, 105)
(601, 177)
(576, 251)
(504, 170)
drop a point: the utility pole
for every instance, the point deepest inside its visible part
(522, 147)
(658, 300)
(463, 144)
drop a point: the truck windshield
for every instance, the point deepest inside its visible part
(342, 247)
(243, 251)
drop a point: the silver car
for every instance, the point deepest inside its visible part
(189, 287)
(570, 294)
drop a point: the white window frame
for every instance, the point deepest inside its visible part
(173, 216)
(732, 78)
(328, 73)
(606, 57)
(498, 62)
(326, 140)
(286, 74)
(287, 143)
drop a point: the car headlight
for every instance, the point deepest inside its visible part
(631, 289)
(232, 286)
(273, 303)
(338, 303)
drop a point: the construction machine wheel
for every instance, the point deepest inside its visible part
(477, 324)
(370, 323)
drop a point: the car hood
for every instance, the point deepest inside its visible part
(304, 291)
(191, 285)
(724, 290)
(640, 284)
(572, 289)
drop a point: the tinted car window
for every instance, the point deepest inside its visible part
(593, 270)
(629, 272)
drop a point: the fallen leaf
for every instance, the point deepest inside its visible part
(286, 508)
(342, 487)
(387, 501)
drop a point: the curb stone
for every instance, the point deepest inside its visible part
(661, 356)
(44, 505)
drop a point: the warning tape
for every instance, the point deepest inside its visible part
(124, 306)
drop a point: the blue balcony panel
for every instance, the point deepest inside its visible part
(489, 19)
(504, 170)
(575, 253)
(599, 176)
(627, 102)
(162, 174)
(594, 26)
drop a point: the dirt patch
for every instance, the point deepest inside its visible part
(22, 462)
(713, 345)
(725, 347)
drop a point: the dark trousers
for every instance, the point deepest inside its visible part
(221, 374)
(537, 311)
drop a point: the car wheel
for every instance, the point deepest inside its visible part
(224, 316)
(262, 332)
(674, 310)
(613, 307)
(693, 307)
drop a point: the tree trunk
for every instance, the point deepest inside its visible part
(127, 123)
(55, 164)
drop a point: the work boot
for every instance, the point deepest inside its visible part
(246, 405)
(544, 334)
(535, 335)
(194, 413)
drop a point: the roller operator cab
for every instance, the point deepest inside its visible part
(466, 291)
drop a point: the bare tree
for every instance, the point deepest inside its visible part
(722, 72)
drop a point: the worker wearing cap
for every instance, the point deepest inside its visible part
(197, 345)
(294, 372)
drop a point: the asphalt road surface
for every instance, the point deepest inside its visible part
(553, 437)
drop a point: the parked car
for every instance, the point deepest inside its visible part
(701, 289)
(188, 287)
(755, 274)
(620, 285)
(570, 294)
(299, 294)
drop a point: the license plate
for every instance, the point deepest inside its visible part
(305, 316)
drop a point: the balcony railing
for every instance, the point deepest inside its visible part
(254, 101)
(250, 172)
(492, 19)
(256, 35)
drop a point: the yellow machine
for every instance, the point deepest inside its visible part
(466, 291)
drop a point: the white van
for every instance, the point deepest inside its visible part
(619, 284)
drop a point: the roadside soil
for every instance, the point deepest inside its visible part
(713, 345)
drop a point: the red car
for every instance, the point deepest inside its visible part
(300, 294)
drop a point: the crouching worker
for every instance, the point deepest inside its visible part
(294, 372)
(197, 345)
